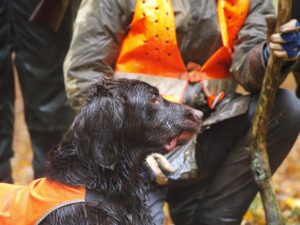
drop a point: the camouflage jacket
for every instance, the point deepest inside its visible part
(102, 24)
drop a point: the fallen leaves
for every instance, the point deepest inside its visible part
(287, 186)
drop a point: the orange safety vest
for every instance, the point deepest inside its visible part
(150, 48)
(29, 205)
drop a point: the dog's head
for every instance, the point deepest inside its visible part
(130, 115)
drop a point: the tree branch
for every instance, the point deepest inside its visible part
(260, 161)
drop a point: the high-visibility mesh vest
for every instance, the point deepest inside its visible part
(150, 47)
(28, 205)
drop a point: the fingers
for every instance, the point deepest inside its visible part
(286, 45)
(192, 77)
(276, 38)
(281, 55)
(164, 163)
(289, 26)
(284, 49)
(160, 178)
(278, 50)
(288, 33)
(159, 164)
(193, 66)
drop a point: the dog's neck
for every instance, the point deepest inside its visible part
(121, 187)
(123, 178)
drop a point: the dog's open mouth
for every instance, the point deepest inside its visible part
(179, 140)
(190, 127)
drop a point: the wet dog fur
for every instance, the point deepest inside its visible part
(105, 148)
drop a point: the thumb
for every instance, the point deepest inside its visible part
(270, 25)
(164, 164)
(160, 178)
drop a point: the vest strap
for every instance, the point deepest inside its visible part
(150, 48)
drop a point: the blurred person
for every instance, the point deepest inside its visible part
(196, 52)
(296, 15)
(40, 52)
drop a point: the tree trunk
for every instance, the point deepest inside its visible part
(260, 161)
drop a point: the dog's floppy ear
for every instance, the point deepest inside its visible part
(101, 122)
(110, 120)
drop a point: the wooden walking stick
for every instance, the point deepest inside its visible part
(260, 161)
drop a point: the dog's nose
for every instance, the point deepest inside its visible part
(198, 114)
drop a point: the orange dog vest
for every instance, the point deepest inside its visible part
(28, 205)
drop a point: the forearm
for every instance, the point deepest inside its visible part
(252, 70)
(77, 82)
(249, 72)
(80, 73)
(248, 64)
(94, 48)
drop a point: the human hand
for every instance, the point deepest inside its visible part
(197, 94)
(193, 76)
(160, 166)
(286, 44)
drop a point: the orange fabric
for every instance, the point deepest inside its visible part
(231, 15)
(151, 47)
(27, 204)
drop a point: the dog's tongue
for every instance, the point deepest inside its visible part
(171, 145)
(186, 135)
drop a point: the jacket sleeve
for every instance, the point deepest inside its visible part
(98, 30)
(248, 66)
